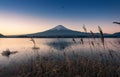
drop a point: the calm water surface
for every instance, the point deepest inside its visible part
(25, 47)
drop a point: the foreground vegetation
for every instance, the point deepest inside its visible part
(65, 66)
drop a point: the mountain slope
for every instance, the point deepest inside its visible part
(61, 31)
(58, 31)
(1, 35)
(60, 27)
(117, 34)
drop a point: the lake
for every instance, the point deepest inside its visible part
(85, 47)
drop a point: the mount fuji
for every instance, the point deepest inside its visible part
(63, 32)
(58, 31)
(60, 27)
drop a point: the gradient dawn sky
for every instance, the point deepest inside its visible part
(31, 16)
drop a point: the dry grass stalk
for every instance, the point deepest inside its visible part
(74, 40)
(92, 34)
(33, 41)
(84, 28)
(101, 35)
(82, 40)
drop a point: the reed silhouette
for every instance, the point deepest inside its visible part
(116, 23)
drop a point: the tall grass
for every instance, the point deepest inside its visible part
(101, 35)
(34, 44)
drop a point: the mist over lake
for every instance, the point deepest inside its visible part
(56, 45)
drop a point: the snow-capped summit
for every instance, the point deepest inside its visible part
(59, 27)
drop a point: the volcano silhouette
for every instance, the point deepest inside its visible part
(58, 31)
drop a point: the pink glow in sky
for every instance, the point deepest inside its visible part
(14, 23)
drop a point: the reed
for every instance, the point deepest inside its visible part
(73, 40)
(101, 35)
(34, 44)
(82, 42)
(92, 34)
(85, 29)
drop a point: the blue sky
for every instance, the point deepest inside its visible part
(71, 13)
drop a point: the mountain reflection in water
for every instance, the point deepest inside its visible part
(59, 44)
